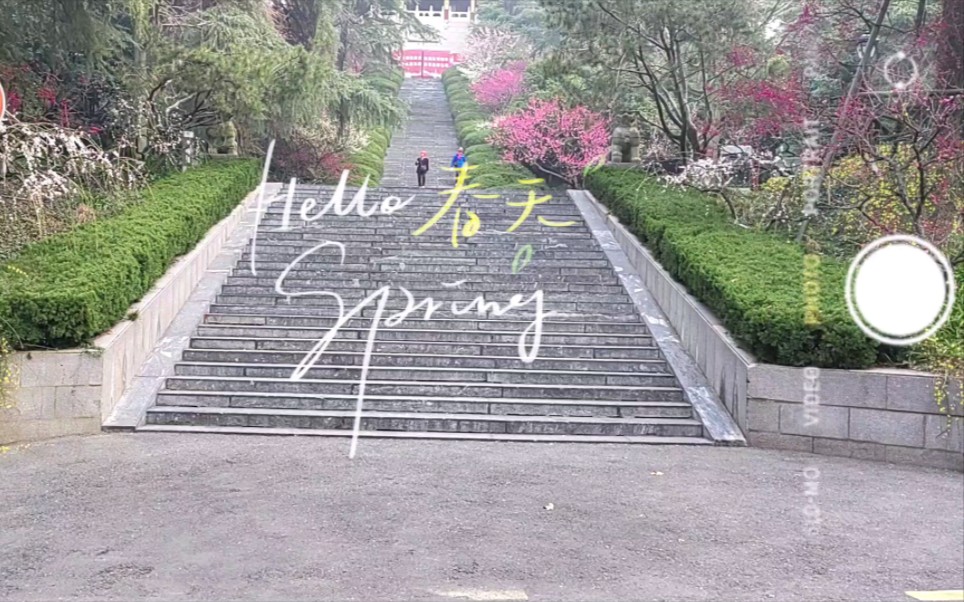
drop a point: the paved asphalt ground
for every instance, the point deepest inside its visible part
(203, 517)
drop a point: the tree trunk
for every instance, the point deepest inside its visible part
(342, 57)
(951, 54)
(340, 64)
(921, 15)
(831, 150)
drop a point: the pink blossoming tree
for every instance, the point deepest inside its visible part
(496, 90)
(551, 138)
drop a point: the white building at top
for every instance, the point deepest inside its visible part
(451, 18)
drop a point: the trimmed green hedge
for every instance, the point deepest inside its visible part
(370, 160)
(490, 171)
(389, 80)
(67, 289)
(472, 139)
(944, 352)
(753, 281)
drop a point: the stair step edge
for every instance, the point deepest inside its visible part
(422, 415)
(252, 430)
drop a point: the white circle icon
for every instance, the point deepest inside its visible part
(900, 289)
(897, 58)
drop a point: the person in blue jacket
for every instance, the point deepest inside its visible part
(458, 161)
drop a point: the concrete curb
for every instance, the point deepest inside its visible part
(718, 424)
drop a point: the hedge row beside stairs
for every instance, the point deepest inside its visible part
(67, 289)
(472, 129)
(753, 282)
(370, 161)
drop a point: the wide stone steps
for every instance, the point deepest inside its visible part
(422, 361)
(460, 404)
(472, 337)
(448, 348)
(425, 258)
(428, 435)
(575, 301)
(327, 386)
(452, 373)
(599, 311)
(302, 281)
(425, 421)
(652, 377)
(437, 237)
(502, 323)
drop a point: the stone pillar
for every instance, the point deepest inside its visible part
(188, 147)
(446, 9)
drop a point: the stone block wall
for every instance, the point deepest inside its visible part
(888, 415)
(54, 393)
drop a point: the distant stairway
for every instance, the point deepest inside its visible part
(429, 128)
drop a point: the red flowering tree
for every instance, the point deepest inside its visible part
(497, 89)
(904, 172)
(303, 156)
(760, 112)
(552, 138)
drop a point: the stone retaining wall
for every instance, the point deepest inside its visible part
(73, 391)
(889, 415)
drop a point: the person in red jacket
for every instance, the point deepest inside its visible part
(421, 168)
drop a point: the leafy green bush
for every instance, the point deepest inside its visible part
(368, 157)
(67, 289)
(479, 148)
(360, 172)
(944, 352)
(469, 120)
(753, 281)
(483, 156)
(475, 138)
(387, 78)
(453, 75)
(470, 130)
(385, 85)
(379, 139)
(370, 160)
(460, 107)
(461, 97)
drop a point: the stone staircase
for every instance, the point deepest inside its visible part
(429, 128)
(598, 376)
